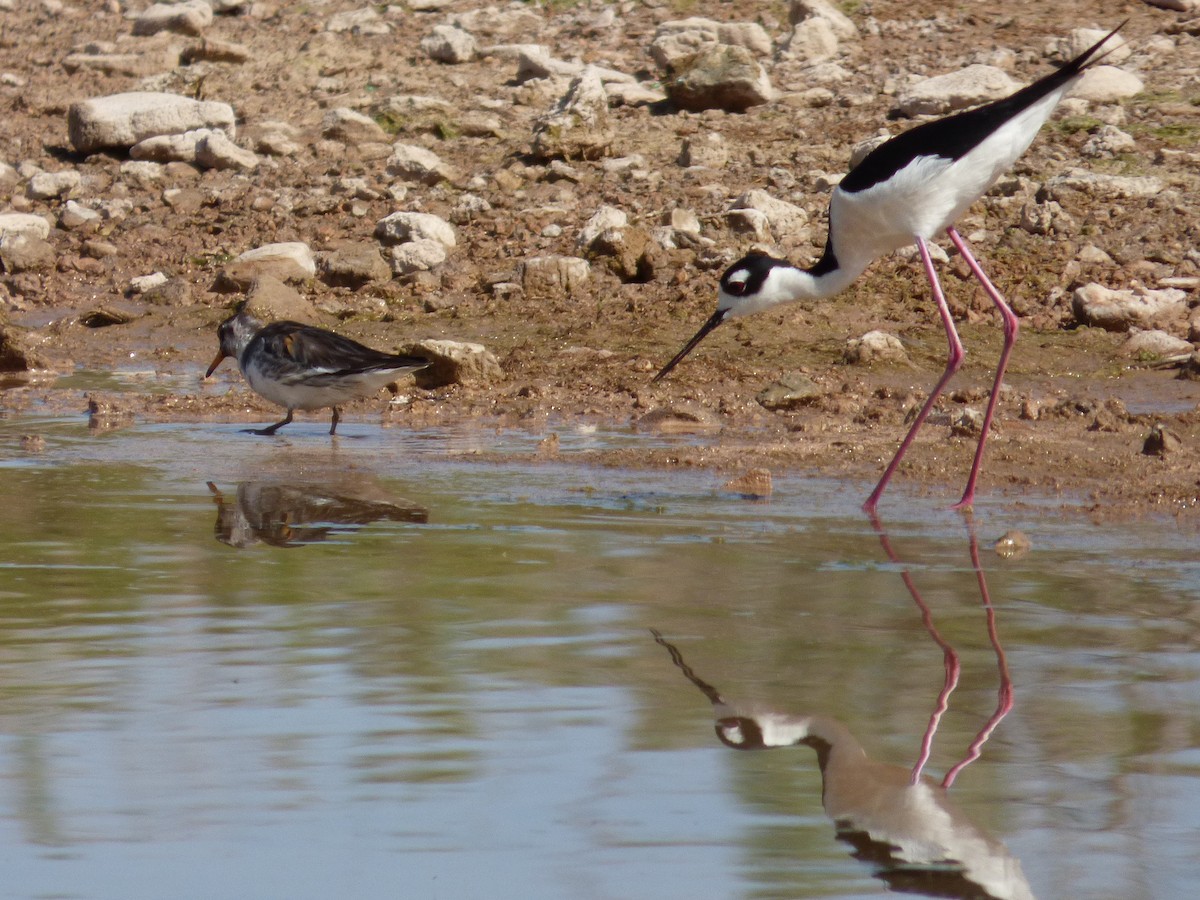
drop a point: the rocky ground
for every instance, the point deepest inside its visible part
(580, 187)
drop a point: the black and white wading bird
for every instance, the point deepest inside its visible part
(906, 191)
(301, 367)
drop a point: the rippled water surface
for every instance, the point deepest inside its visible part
(296, 668)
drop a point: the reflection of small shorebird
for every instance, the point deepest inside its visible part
(302, 367)
(290, 515)
(905, 191)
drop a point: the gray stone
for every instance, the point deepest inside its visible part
(287, 261)
(401, 227)
(1105, 185)
(785, 219)
(790, 392)
(719, 77)
(450, 45)
(838, 22)
(955, 90)
(16, 351)
(578, 127)
(455, 362)
(874, 346)
(24, 253)
(164, 148)
(187, 17)
(707, 150)
(419, 255)
(602, 219)
(1119, 310)
(812, 41)
(1155, 343)
(552, 276)
(679, 418)
(362, 21)
(351, 127)
(414, 163)
(23, 225)
(74, 216)
(676, 40)
(216, 151)
(1107, 84)
(122, 120)
(270, 300)
(352, 264)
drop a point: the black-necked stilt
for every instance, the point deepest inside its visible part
(906, 827)
(905, 191)
(301, 367)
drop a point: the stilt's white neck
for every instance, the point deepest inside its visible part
(786, 284)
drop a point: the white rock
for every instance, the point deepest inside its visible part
(417, 256)
(122, 120)
(76, 216)
(216, 151)
(812, 41)
(165, 148)
(188, 17)
(955, 90)
(786, 219)
(682, 37)
(1116, 50)
(1155, 343)
(1106, 84)
(142, 171)
(839, 22)
(681, 219)
(401, 227)
(602, 219)
(543, 276)
(873, 346)
(414, 163)
(578, 127)
(750, 221)
(23, 225)
(720, 77)
(1108, 141)
(47, 185)
(516, 19)
(633, 94)
(358, 21)
(708, 150)
(351, 127)
(456, 362)
(292, 257)
(142, 283)
(1092, 255)
(1102, 184)
(450, 45)
(1119, 310)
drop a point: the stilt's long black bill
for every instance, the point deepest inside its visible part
(717, 318)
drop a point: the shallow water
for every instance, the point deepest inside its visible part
(373, 667)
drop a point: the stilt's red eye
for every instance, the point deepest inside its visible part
(736, 288)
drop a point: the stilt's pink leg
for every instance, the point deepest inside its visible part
(1011, 325)
(953, 363)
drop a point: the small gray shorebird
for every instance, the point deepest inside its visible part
(302, 367)
(905, 191)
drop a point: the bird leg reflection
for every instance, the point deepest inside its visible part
(950, 658)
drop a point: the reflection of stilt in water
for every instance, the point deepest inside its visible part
(896, 819)
(951, 662)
